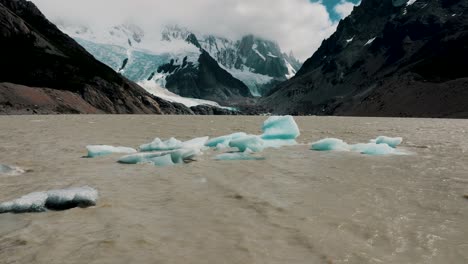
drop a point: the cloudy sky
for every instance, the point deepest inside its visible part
(297, 25)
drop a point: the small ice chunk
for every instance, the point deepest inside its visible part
(392, 142)
(52, 200)
(280, 127)
(161, 158)
(10, 170)
(173, 144)
(328, 144)
(102, 150)
(159, 145)
(374, 149)
(224, 140)
(254, 143)
(238, 156)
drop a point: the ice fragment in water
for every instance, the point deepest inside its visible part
(102, 150)
(52, 200)
(328, 144)
(173, 144)
(238, 156)
(10, 170)
(224, 140)
(251, 142)
(374, 149)
(392, 142)
(159, 145)
(161, 158)
(280, 127)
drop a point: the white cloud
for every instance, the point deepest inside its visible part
(297, 25)
(344, 8)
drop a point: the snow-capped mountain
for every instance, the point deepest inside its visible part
(159, 58)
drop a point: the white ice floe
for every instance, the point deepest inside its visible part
(391, 141)
(373, 148)
(10, 170)
(173, 144)
(102, 150)
(52, 200)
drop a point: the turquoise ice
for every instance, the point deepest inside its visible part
(328, 144)
(391, 141)
(163, 158)
(280, 127)
(159, 145)
(224, 140)
(238, 156)
(102, 150)
(251, 142)
(373, 149)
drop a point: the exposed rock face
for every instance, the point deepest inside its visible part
(36, 54)
(205, 80)
(388, 58)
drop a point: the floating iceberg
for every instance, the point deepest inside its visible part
(374, 149)
(280, 127)
(10, 170)
(251, 142)
(159, 145)
(238, 156)
(392, 142)
(163, 158)
(173, 144)
(330, 144)
(52, 200)
(219, 142)
(102, 150)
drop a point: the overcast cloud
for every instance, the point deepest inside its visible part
(297, 25)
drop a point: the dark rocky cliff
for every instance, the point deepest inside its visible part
(45, 71)
(386, 59)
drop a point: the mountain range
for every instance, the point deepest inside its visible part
(388, 58)
(188, 64)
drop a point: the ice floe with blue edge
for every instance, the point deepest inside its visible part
(280, 127)
(163, 158)
(373, 148)
(249, 142)
(173, 144)
(391, 141)
(55, 200)
(10, 170)
(102, 150)
(238, 156)
(329, 144)
(223, 141)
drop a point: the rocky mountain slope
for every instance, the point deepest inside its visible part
(45, 71)
(388, 58)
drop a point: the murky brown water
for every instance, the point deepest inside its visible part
(297, 206)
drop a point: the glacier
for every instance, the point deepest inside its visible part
(57, 200)
(102, 150)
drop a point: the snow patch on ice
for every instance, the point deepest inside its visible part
(350, 40)
(52, 200)
(102, 150)
(291, 71)
(410, 2)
